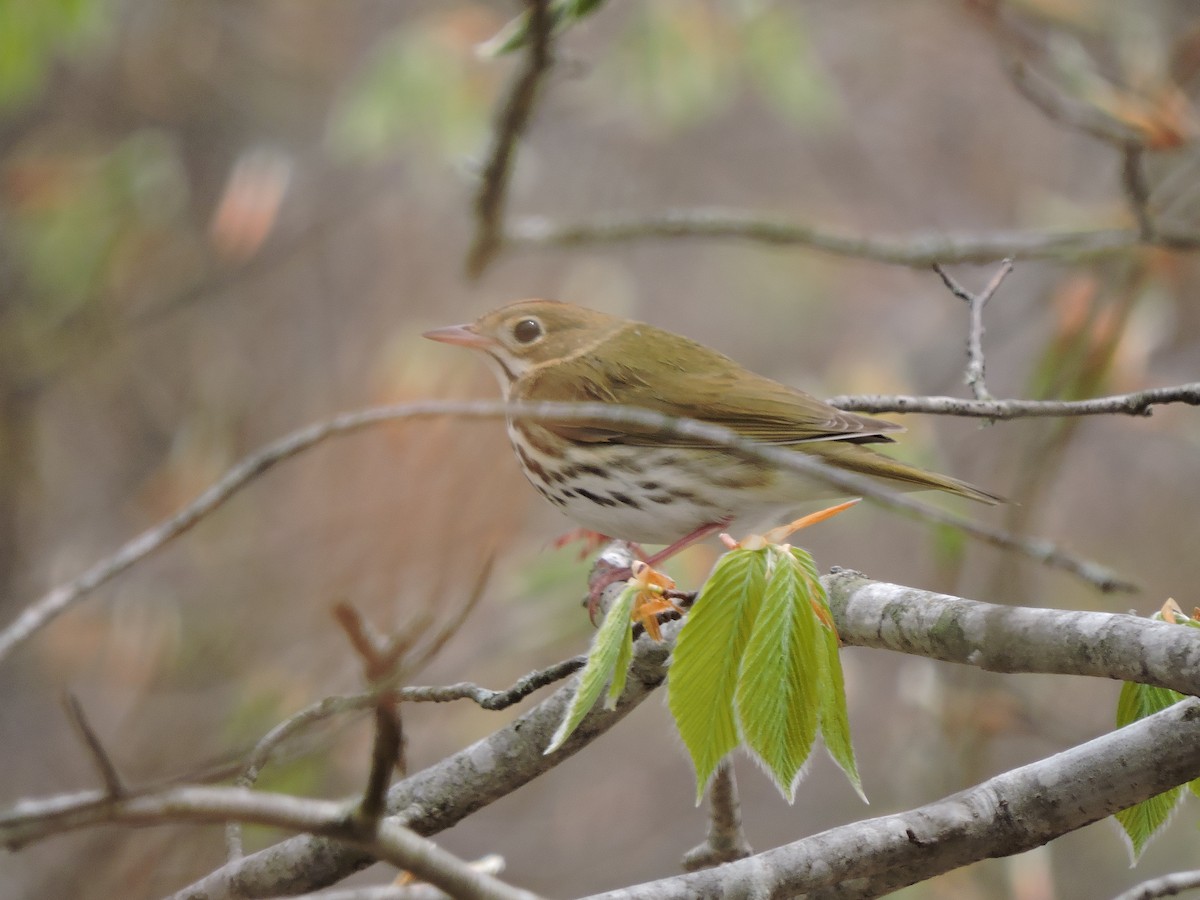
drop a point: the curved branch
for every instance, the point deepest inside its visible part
(51, 604)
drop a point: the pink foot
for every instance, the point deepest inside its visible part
(605, 572)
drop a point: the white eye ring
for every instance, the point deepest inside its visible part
(527, 330)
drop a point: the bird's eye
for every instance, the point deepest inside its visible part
(527, 331)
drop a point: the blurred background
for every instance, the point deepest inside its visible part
(221, 221)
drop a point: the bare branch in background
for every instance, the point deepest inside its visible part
(57, 600)
(391, 842)
(1138, 403)
(1166, 886)
(1065, 110)
(916, 251)
(1137, 191)
(99, 756)
(510, 125)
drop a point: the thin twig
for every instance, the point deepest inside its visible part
(87, 735)
(385, 752)
(1165, 886)
(1137, 190)
(1138, 403)
(726, 841)
(1065, 110)
(511, 123)
(58, 599)
(976, 368)
(363, 638)
(916, 251)
(438, 641)
(495, 700)
(333, 706)
(391, 842)
(382, 662)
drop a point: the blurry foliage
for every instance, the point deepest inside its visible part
(76, 213)
(677, 63)
(430, 85)
(423, 88)
(515, 34)
(34, 32)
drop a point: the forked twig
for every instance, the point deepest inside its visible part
(976, 368)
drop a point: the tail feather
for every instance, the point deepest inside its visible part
(864, 461)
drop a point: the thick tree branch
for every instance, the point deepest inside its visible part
(1013, 639)
(57, 600)
(871, 614)
(1013, 812)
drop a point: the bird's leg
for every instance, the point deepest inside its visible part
(604, 574)
(687, 540)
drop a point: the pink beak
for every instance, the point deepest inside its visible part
(462, 335)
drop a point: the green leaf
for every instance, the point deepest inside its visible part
(834, 718)
(1140, 700)
(515, 34)
(949, 545)
(612, 644)
(419, 91)
(616, 685)
(708, 652)
(674, 65)
(778, 691)
(1144, 820)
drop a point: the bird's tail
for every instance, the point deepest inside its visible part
(864, 461)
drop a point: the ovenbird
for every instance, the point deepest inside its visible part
(642, 485)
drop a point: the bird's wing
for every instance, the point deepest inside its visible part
(710, 387)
